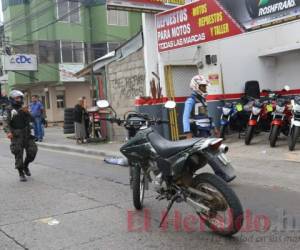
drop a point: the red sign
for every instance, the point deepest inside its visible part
(199, 22)
(144, 5)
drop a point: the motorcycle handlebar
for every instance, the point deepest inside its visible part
(119, 121)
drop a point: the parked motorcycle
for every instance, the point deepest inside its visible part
(281, 120)
(232, 118)
(295, 124)
(260, 118)
(172, 166)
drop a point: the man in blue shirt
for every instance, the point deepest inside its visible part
(196, 121)
(37, 110)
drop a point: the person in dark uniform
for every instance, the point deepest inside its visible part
(196, 120)
(17, 126)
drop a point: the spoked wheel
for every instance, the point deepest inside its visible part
(225, 213)
(138, 187)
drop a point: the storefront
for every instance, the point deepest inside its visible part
(228, 42)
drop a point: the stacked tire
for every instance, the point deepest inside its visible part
(69, 121)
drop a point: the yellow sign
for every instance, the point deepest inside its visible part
(214, 79)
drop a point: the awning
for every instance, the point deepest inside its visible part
(86, 70)
(126, 49)
(280, 50)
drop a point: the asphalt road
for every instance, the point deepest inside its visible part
(79, 202)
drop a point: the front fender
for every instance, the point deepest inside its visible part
(252, 122)
(277, 122)
(295, 123)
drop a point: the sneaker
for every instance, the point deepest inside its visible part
(22, 176)
(27, 171)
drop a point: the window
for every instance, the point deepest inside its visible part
(112, 46)
(60, 99)
(48, 52)
(72, 52)
(98, 50)
(118, 18)
(68, 11)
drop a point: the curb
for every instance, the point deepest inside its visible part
(73, 149)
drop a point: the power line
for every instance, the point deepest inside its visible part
(16, 21)
(21, 13)
(47, 25)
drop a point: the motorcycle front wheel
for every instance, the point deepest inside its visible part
(249, 134)
(275, 131)
(293, 136)
(223, 131)
(225, 215)
(138, 187)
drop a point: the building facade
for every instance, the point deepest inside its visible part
(65, 36)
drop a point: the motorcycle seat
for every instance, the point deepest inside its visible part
(166, 148)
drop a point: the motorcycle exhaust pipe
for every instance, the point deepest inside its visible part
(224, 148)
(200, 208)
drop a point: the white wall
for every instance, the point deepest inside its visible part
(150, 49)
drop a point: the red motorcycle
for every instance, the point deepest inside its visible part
(281, 120)
(260, 118)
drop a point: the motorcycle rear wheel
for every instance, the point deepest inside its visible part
(225, 201)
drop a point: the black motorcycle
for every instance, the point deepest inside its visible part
(172, 167)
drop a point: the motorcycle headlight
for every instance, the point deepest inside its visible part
(226, 111)
(280, 109)
(296, 107)
(256, 110)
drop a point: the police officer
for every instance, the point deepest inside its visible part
(18, 129)
(196, 121)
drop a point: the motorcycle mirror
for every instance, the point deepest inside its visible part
(287, 88)
(103, 104)
(170, 104)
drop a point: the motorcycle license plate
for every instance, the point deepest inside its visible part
(239, 107)
(270, 108)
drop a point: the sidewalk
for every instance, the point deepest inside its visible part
(56, 140)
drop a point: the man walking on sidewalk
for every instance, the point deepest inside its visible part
(18, 130)
(37, 110)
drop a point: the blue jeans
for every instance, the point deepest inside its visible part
(38, 129)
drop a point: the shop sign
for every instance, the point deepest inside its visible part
(67, 72)
(195, 23)
(20, 62)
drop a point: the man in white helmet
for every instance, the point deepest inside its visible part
(196, 121)
(18, 129)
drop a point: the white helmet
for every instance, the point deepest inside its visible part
(196, 82)
(16, 93)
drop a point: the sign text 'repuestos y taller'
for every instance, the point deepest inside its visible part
(195, 23)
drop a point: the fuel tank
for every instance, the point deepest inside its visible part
(139, 148)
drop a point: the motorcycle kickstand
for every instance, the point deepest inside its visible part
(171, 203)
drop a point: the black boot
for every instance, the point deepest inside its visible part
(22, 176)
(26, 170)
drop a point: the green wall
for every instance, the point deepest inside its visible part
(41, 13)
